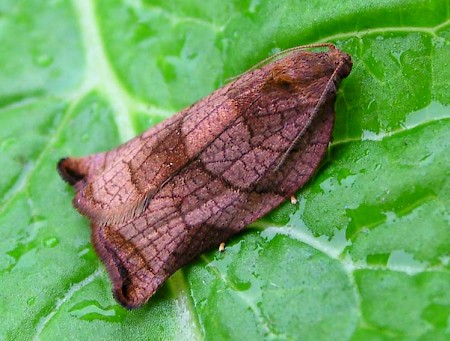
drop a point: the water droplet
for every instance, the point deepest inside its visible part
(26, 246)
(238, 285)
(253, 5)
(362, 219)
(426, 159)
(51, 242)
(349, 180)
(8, 143)
(439, 42)
(445, 260)
(86, 252)
(93, 310)
(38, 221)
(397, 57)
(434, 111)
(191, 55)
(31, 301)
(400, 259)
(372, 106)
(43, 60)
(378, 259)
(368, 135)
(275, 50)
(328, 185)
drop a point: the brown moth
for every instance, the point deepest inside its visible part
(194, 180)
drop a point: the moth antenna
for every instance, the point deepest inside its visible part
(320, 102)
(279, 54)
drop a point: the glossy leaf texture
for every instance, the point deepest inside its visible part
(363, 255)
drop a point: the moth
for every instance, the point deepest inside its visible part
(191, 182)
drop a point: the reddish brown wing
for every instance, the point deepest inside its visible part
(115, 186)
(237, 154)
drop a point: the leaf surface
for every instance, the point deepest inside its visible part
(364, 255)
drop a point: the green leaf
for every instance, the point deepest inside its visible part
(363, 255)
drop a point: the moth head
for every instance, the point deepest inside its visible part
(342, 61)
(292, 70)
(302, 68)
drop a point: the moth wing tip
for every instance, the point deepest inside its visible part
(71, 170)
(120, 296)
(114, 252)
